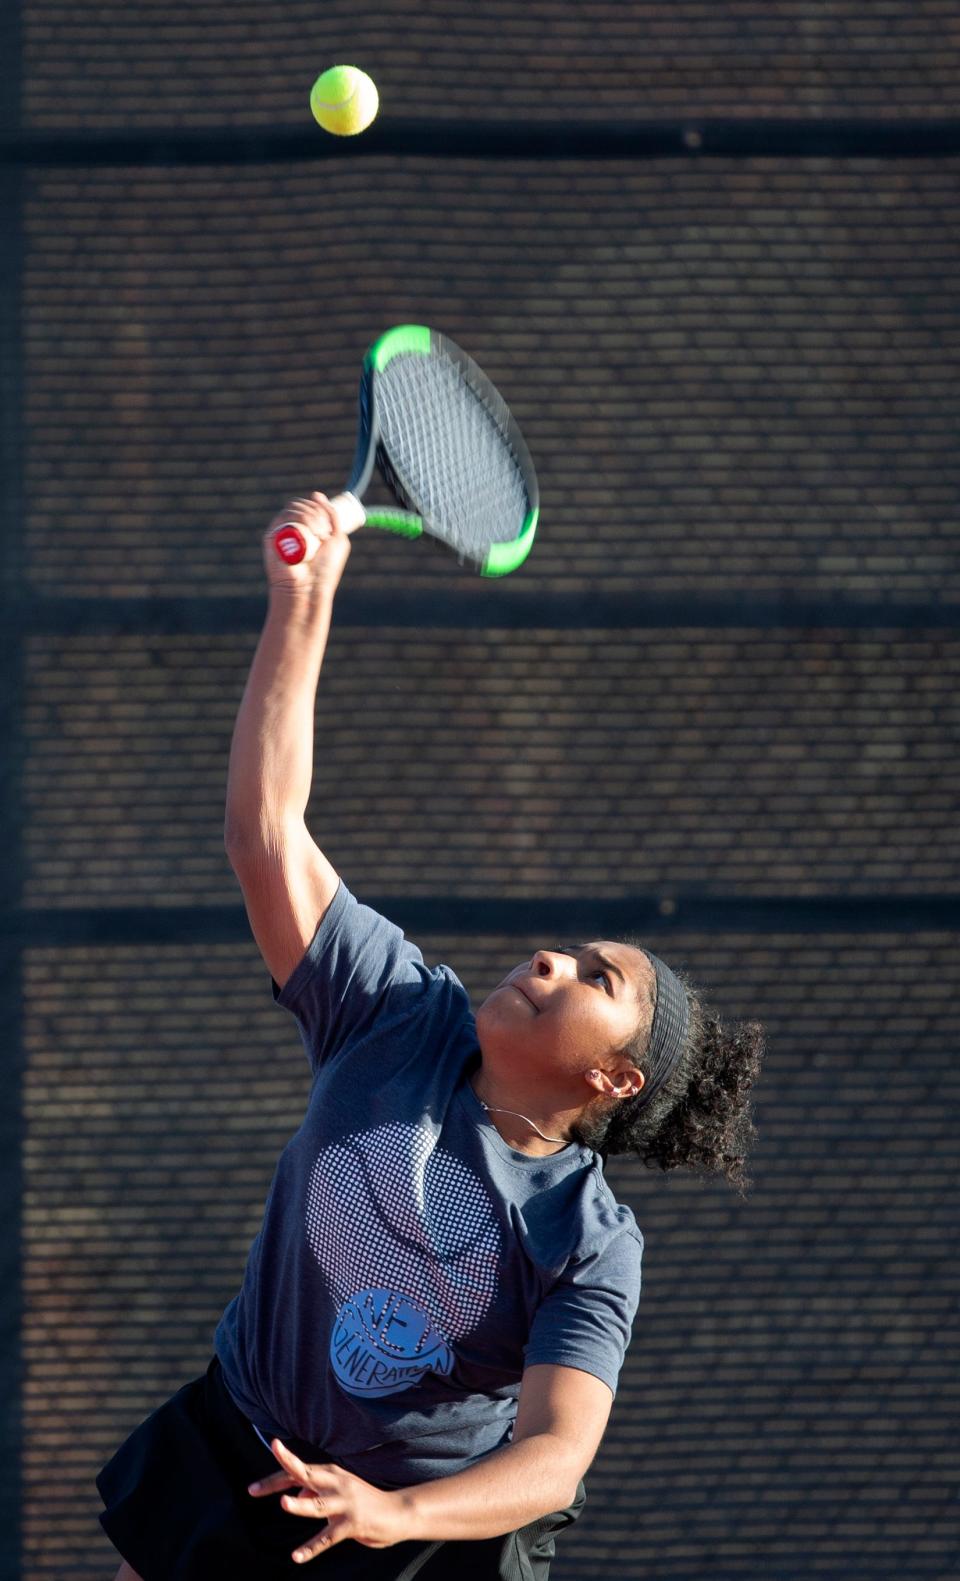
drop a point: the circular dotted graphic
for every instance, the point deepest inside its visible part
(389, 1210)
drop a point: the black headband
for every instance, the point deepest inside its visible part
(671, 1019)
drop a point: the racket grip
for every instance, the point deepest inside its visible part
(294, 543)
(349, 512)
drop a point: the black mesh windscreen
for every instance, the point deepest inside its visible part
(718, 703)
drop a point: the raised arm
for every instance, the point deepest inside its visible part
(286, 880)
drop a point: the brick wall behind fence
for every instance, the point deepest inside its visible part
(240, 63)
(738, 378)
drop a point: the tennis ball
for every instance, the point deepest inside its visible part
(344, 100)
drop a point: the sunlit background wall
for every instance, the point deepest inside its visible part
(717, 707)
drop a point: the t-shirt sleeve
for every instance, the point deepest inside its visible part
(586, 1319)
(359, 972)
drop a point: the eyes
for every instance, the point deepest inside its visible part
(591, 974)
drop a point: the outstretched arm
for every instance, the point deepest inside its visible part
(561, 1418)
(287, 881)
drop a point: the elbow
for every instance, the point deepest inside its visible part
(569, 1496)
(236, 838)
(258, 839)
(243, 841)
(570, 1475)
(240, 813)
(561, 1495)
(568, 1472)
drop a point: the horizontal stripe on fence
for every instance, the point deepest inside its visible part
(482, 607)
(603, 918)
(694, 137)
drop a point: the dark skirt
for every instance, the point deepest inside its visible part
(177, 1509)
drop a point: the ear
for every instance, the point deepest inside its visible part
(628, 1081)
(623, 1083)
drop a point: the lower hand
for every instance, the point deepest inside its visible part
(351, 1507)
(329, 544)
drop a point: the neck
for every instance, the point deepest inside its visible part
(522, 1121)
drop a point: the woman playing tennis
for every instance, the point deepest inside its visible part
(419, 1367)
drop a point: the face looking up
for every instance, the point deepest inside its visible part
(569, 1010)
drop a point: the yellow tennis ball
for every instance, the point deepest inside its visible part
(344, 100)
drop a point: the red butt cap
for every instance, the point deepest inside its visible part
(290, 544)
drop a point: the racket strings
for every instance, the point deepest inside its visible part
(448, 449)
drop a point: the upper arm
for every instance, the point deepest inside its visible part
(567, 1404)
(287, 886)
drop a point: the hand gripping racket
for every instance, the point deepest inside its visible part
(448, 449)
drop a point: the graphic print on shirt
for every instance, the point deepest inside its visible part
(408, 1242)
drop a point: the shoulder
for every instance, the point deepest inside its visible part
(603, 1218)
(585, 1318)
(607, 1243)
(575, 1223)
(361, 978)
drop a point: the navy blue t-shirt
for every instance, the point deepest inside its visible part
(410, 1263)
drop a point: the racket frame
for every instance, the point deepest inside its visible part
(419, 340)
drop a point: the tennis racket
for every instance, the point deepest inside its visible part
(447, 448)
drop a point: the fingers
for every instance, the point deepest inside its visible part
(295, 1473)
(316, 1545)
(305, 547)
(277, 1482)
(316, 514)
(301, 527)
(317, 1497)
(292, 1463)
(314, 1501)
(313, 1481)
(349, 1506)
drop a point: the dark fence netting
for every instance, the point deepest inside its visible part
(721, 696)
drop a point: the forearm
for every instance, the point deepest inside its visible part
(271, 756)
(508, 1489)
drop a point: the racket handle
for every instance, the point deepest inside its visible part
(294, 543)
(349, 512)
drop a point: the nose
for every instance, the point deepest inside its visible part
(545, 963)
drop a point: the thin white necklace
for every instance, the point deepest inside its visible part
(492, 1109)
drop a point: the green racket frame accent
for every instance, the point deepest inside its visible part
(505, 557)
(413, 338)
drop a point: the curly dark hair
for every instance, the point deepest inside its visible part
(702, 1116)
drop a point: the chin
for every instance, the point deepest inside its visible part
(497, 1003)
(487, 1018)
(499, 1032)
